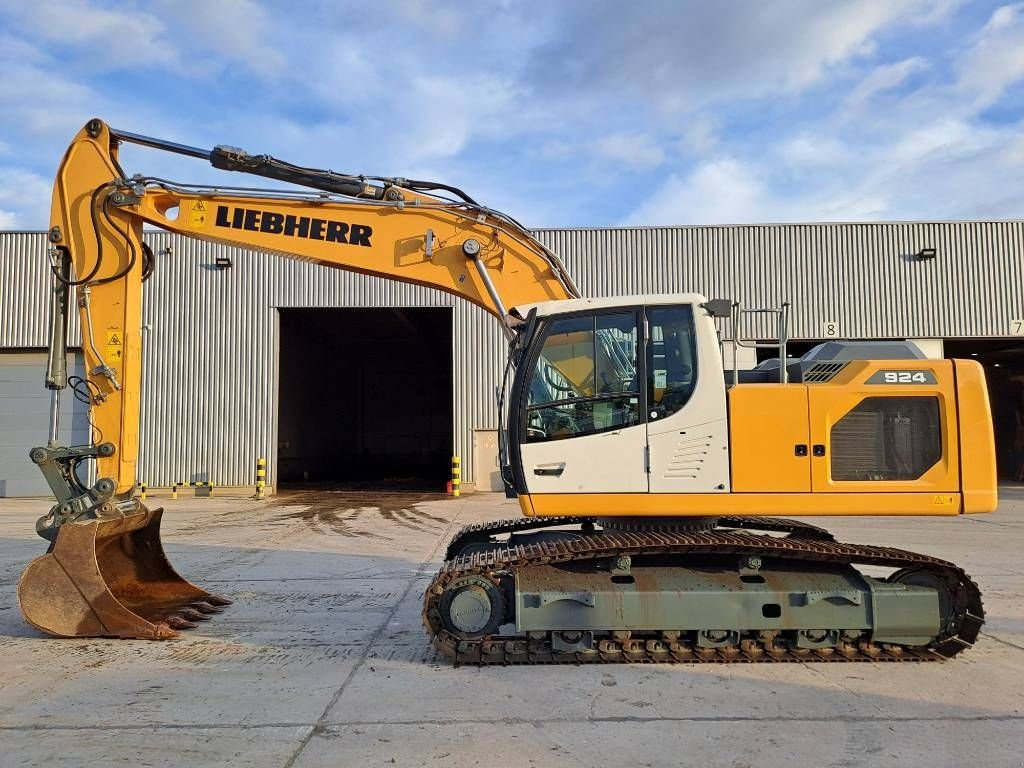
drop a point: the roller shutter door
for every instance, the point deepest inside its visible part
(24, 419)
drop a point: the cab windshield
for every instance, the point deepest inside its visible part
(585, 379)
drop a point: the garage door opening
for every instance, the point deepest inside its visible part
(365, 398)
(1003, 360)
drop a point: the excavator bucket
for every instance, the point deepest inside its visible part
(111, 578)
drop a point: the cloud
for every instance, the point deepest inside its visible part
(884, 78)
(636, 151)
(445, 113)
(1015, 151)
(721, 191)
(231, 30)
(621, 150)
(700, 135)
(787, 111)
(29, 94)
(685, 55)
(812, 151)
(909, 140)
(103, 37)
(996, 60)
(24, 199)
(445, 23)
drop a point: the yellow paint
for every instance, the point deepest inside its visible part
(90, 164)
(513, 259)
(828, 403)
(766, 423)
(711, 504)
(456, 475)
(977, 441)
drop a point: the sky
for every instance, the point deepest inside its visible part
(562, 113)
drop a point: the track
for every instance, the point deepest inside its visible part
(802, 542)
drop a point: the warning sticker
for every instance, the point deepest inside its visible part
(197, 214)
(115, 345)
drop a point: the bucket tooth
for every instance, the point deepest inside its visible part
(109, 577)
(218, 600)
(193, 614)
(204, 606)
(180, 622)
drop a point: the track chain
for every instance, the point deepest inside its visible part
(482, 533)
(802, 543)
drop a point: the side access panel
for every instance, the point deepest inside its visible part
(769, 438)
(887, 426)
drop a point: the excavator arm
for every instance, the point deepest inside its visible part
(105, 562)
(381, 227)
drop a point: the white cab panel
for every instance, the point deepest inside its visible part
(607, 462)
(689, 450)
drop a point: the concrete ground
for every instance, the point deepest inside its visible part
(322, 661)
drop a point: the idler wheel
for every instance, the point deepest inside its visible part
(923, 578)
(472, 607)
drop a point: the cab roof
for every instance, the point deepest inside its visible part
(545, 308)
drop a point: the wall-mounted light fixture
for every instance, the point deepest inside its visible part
(926, 253)
(222, 260)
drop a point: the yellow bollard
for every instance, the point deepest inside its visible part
(194, 484)
(261, 478)
(456, 474)
(204, 484)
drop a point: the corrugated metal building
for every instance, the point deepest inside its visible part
(222, 345)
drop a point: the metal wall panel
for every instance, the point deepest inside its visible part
(25, 292)
(865, 277)
(25, 420)
(209, 390)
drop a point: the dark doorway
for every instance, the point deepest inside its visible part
(365, 397)
(1003, 360)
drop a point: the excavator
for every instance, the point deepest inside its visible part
(650, 474)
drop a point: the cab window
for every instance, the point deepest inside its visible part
(585, 380)
(671, 359)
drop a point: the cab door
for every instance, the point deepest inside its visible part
(583, 430)
(687, 423)
(885, 426)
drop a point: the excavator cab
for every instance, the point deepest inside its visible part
(605, 390)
